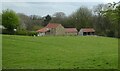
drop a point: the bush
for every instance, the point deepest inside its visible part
(5, 31)
(31, 33)
(21, 32)
(26, 33)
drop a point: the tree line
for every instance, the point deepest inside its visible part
(104, 18)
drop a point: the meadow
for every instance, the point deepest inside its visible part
(59, 52)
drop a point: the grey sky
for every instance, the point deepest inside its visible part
(35, 7)
(105, 1)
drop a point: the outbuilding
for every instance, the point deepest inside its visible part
(52, 29)
(86, 31)
(43, 31)
(71, 31)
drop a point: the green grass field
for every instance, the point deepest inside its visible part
(0, 52)
(62, 52)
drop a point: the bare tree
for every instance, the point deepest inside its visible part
(82, 18)
(59, 15)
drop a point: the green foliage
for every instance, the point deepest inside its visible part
(82, 18)
(29, 22)
(113, 17)
(88, 52)
(5, 31)
(10, 19)
(21, 32)
(107, 19)
(26, 33)
(32, 33)
(118, 14)
(0, 18)
(36, 28)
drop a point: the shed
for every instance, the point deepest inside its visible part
(71, 31)
(86, 31)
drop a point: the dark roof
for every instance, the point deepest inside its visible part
(71, 30)
(88, 30)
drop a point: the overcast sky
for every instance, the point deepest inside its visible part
(44, 7)
(60, 1)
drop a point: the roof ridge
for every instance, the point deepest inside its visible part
(52, 25)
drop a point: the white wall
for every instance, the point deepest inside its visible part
(81, 32)
(41, 34)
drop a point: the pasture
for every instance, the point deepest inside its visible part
(59, 52)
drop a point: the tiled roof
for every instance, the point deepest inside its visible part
(52, 25)
(88, 30)
(48, 27)
(71, 30)
(43, 30)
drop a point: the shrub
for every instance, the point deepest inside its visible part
(26, 33)
(31, 33)
(5, 31)
(21, 32)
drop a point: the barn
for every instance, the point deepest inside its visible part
(71, 31)
(52, 29)
(86, 31)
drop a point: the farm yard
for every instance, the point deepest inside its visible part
(61, 52)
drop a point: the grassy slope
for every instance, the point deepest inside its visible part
(59, 52)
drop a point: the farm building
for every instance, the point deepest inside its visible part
(71, 31)
(86, 31)
(43, 31)
(52, 29)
